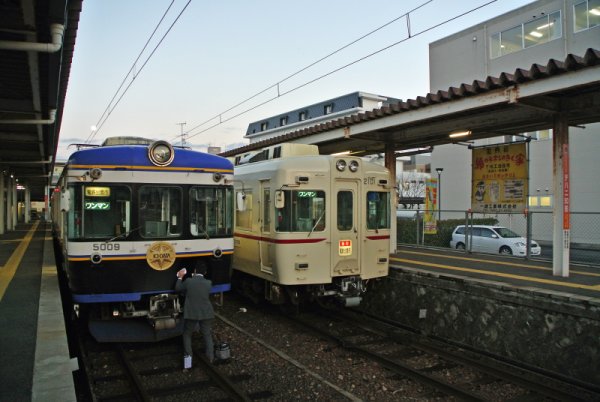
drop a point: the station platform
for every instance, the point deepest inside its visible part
(533, 274)
(35, 363)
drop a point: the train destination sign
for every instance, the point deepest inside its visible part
(345, 247)
(97, 191)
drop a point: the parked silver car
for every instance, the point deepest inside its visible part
(493, 239)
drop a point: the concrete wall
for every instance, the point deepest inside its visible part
(550, 331)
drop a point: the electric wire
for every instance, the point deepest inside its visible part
(221, 121)
(310, 65)
(109, 109)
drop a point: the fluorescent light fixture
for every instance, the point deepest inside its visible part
(545, 25)
(460, 134)
(536, 34)
(341, 153)
(595, 11)
(414, 150)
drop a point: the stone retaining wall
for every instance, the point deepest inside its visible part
(550, 330)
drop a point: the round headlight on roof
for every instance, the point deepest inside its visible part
(353, 166)
(161, 153)
(340, 165)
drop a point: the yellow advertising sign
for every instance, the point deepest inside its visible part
(500, 179)
(430, 221)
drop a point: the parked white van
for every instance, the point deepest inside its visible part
(493, 239)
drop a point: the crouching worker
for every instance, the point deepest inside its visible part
(198, 311)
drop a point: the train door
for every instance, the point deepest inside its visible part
(264, 223)
(345, 230)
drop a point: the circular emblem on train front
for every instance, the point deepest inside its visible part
(161, 255)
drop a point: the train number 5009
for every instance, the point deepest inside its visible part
(106, 247)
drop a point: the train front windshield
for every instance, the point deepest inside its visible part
(98, 212)
(304, 211)
(115, 211)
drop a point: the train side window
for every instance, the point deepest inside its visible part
(266, 217)
(243, 217)
(345, 210)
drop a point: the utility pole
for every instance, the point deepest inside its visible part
(182, 133)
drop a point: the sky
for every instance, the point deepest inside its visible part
(207, 57)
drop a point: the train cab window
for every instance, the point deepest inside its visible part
(345, 210)
(99, 212)
(211, 211)
(304, 211)
(378, 210)
(159, 211)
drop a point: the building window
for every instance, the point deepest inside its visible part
(543, 134)
(530, 33)
(328, 109)
(540, 201)
(586, 15)
(542, 30)
(283, 121)
(302, 116)
(264, 125)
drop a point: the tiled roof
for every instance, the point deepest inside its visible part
(504, 80)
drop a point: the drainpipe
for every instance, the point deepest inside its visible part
(56, 30)
(52, 118)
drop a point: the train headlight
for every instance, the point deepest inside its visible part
(340, 165)
(96, 258)
(161, 153)
(353, 166)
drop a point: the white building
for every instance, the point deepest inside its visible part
(535, 33)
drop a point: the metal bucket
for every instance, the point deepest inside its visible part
(222, 351)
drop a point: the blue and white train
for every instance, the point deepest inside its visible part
(127, 216)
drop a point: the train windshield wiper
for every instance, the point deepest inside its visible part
(204, 232)
(316, 223)
(123, 235)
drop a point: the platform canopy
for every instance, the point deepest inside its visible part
(37, 39)
(512, 103)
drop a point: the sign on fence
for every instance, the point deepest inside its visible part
(430, 221)
(500, 178)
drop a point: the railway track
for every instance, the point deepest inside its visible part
(149, 372)
(446, 370)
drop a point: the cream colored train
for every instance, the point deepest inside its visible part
(309, 227)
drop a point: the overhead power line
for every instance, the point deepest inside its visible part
(276, 85)
(111, 107)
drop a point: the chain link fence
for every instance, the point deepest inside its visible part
(538, 226)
